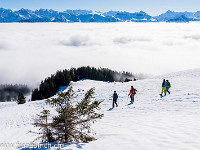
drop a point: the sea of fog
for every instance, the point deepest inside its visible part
(29, 52)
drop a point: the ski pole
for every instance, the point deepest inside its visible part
(127, 98)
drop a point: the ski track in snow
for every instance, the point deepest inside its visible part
(151, 123)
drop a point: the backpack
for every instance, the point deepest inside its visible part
(115, 96)
(168, 84)
(133, 91)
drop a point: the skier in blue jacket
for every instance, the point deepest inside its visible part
(115, 97)
(164, 87)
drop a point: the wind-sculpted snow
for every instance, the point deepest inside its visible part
(168, 123)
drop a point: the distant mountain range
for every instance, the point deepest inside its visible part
(45, 15)
(171, 16)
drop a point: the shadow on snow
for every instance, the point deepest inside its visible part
(111, 109)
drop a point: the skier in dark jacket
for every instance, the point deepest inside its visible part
(168, 86)
(115, 97)
(132, 93)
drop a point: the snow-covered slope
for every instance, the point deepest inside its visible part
(168, 123)
(186, 74)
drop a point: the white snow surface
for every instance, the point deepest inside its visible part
(151, 123)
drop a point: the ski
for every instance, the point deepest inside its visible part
(130, 103)
(162, 96)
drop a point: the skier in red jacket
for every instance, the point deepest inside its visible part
(132, 93)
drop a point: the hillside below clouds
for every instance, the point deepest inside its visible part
(44, 15)
(151, 123)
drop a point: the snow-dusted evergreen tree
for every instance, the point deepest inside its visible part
(21, 99)
(8, 98)
(42, 122)
(72, 124)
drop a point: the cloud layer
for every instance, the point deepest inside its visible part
(31, 52)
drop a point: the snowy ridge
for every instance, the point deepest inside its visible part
(168, 123)
(171, 16)
(45, 15)
(193, 73)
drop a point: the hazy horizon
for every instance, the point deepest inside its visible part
(153, 7)
(30, 52)
(94, 10)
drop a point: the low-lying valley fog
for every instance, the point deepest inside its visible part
(29, 52)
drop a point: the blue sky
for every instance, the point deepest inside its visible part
(152, 7)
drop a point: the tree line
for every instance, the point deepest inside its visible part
(9, 92)
(50, 85)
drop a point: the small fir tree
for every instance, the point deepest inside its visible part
(72, 124)
(21, 99)
(8, 98)
(42, 122)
